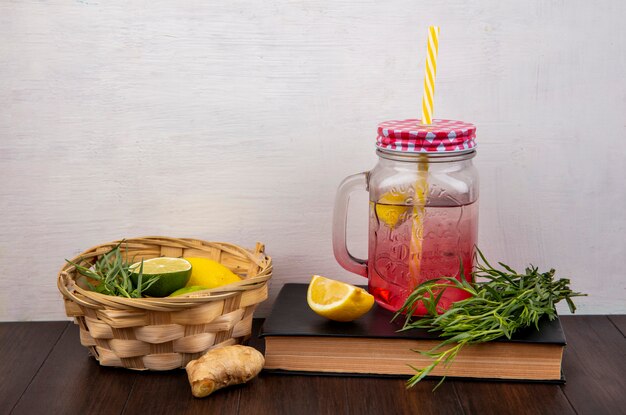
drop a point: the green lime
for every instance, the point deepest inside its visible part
(187, 290)
(172, 274)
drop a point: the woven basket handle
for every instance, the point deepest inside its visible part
(259, 252)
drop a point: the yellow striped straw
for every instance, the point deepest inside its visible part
(429, 77)
(421, 182)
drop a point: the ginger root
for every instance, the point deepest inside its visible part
(225, 366)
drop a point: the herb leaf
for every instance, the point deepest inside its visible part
(501, 303)
(112, 275)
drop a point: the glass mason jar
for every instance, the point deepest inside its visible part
(423, 215)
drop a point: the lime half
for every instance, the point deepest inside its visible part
(172, 274)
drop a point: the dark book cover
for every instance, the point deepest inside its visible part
(291, 316)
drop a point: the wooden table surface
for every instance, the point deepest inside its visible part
(45, 370)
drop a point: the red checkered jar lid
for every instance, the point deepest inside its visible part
(410, 136)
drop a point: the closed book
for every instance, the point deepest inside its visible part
(298, 340)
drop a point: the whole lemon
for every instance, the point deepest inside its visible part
(210, 274)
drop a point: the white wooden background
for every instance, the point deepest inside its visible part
(236, 120)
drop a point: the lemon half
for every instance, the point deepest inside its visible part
(337, 300)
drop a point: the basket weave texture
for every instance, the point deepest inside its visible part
(166, 333)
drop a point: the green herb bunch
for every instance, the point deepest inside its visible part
(501, 302)
(113, 275)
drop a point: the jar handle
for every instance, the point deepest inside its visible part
(340, 248)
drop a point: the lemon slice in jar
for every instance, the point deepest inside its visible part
(337, 300)
(390, 208)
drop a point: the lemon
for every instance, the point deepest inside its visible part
(210, 274)
(337, 300)
(172, 274)
(187, 290)
(390, 209)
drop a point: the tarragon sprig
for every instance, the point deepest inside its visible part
(501, 302)
(112, 275)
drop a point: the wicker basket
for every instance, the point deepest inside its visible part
(166, 333)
